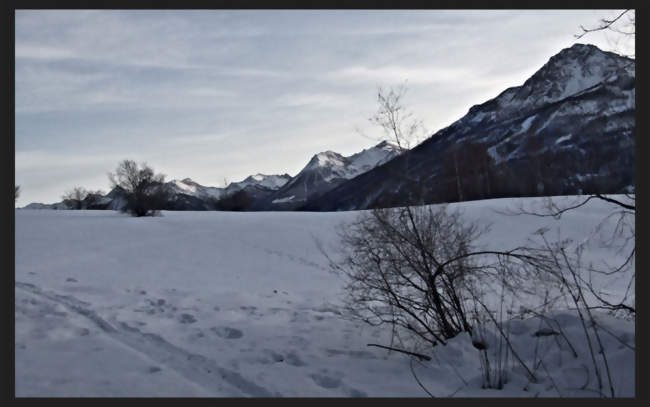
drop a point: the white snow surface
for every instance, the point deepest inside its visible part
(226, 304)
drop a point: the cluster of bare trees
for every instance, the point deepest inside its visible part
(141, 187)
(80, 197)
(138, 185)
(144, 193)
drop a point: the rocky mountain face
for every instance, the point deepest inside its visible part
(325, 171)
(568, 129)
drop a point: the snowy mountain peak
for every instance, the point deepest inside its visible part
(570, 72)
(328, 169)
(185, 186)
(326, 159)
(387, 145)
(262, 180)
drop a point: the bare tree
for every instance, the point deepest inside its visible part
(74, 197)
(397, 264)
(398, 124)
(144, 190)
(402, 128)
(411, 267)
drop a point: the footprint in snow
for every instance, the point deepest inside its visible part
(326, 382)
(227, 333)
(294, 360)
(83, 332)
(270, 356)
(187, 319)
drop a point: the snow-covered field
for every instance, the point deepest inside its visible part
(243, 304)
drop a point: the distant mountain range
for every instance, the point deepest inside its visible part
(569, 129)
(323, 172)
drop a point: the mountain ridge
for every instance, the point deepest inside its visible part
(570, 129)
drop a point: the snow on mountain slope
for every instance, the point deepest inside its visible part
(263, 180)
(570, 72)
(223, 304)
(189, 187)
(332, 165)
(328, 169)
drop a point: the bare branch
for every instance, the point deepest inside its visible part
(419, 355)
(605, 24)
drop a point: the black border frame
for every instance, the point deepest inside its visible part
(8, 222)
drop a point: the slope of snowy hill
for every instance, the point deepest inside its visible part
(225, 304)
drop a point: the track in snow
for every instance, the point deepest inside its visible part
(195, 368)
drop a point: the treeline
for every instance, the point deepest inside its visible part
(469, 171)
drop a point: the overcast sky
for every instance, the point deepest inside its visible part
(225, 94)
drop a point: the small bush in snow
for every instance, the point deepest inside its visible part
(143, 189)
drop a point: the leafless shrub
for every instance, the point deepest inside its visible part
(398, 264)
(620, 238)
(74, 197)
(143, 189)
